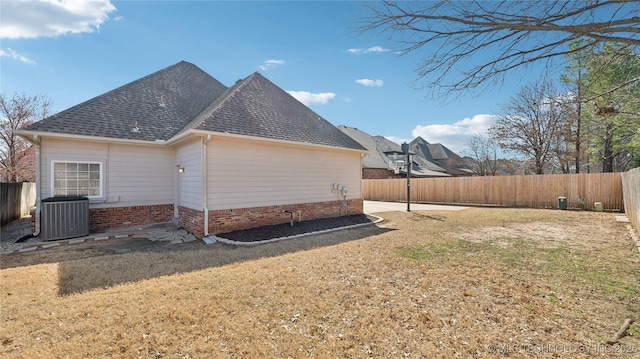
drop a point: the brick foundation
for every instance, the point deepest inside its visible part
(221, 221)
(101, 219)
(117, 217)
(191, 220)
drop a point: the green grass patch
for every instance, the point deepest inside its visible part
(574, 269)
(424, 252)
(437, 250)
(634, 330)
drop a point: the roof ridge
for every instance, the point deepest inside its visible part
(421, 139)
(255, 106)
(202, 116)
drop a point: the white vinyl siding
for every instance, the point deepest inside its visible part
(242, 173)
(132, 175)
(245, 174)
(141, 175)
(189, 156)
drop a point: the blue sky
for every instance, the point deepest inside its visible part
(75, 51)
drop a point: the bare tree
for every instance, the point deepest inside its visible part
(531, 124)
(506, 34)
(575, 79)
(484, 152)
(17, 160)
(563, 155)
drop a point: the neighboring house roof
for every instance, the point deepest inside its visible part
(440, 154)
(426, 164)
(379, 147)
(421, 166)
(418, 170)
(387, 146)
(421, 147)
(376, 158)
(183, 97)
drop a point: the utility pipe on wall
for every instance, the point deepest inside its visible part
(290, 213)
(205, 209)
(36, 141)
(341, 190)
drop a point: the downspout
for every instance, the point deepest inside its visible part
(36, 142)
(204, 185)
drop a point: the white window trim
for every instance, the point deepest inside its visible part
(52, 173)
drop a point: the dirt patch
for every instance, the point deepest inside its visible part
(545, 234)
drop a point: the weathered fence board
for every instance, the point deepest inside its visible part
(631, 186)
(535, 191)
(16, 200)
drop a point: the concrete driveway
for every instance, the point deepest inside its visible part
(379, 206)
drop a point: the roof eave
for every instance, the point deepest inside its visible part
(195, 132)
(31, 137)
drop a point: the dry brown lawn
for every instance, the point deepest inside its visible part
(476, 283)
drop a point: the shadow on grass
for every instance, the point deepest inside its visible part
(416, 216)
(104, 271)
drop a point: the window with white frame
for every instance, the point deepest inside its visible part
(77, 179)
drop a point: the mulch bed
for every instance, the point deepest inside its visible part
(286, 230)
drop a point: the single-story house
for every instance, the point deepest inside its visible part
(177, 145)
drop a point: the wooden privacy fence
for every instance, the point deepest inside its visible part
(535, 191)
(16, 200)
(631, 185)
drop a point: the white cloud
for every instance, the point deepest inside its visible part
(373, 49)
(9, 52)
(50, 18)
(309, 98)
(269, 64)
(455, 136)
(397, 140)
(370, 83)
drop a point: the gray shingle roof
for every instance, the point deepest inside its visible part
(376, 157)
(256, 107)
(160, 104)
(422, 148)
(441, 152)
(386, 145)
(182, 97)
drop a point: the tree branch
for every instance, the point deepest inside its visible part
(523, 33)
